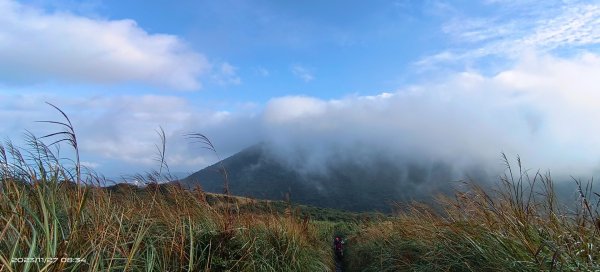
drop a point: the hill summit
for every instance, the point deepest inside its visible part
(355, 185)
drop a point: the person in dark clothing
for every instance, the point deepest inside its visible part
(337, 247)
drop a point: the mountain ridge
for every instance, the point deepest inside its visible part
(375, 185)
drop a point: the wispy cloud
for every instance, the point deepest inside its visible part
(226, 74)
(303, 73)
(540, 26)
(576, 26)
(262, 71)
(36, 45)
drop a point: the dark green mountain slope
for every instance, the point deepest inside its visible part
(373, 184)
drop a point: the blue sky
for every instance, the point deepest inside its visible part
(250, 71)
(284, 48)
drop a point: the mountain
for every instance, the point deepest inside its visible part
(355, 185)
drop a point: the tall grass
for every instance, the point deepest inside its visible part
(518, 226)
(55, 217)
(123, 231)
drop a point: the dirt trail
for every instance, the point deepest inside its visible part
(338, 253)
(339, 261)
(338, 265)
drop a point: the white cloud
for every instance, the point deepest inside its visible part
(120, 131)
(90, 165)
(303, 73)
(36, 45)
(129, 125)
(517, 27)
(288, 108)
(544, 108)
(577, 25)
(433, 60)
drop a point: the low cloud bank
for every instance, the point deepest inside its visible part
(544, 109)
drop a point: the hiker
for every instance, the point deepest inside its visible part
(337, 248)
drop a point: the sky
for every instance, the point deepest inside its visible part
(452, 80)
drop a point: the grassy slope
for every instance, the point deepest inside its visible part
(246, 205)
